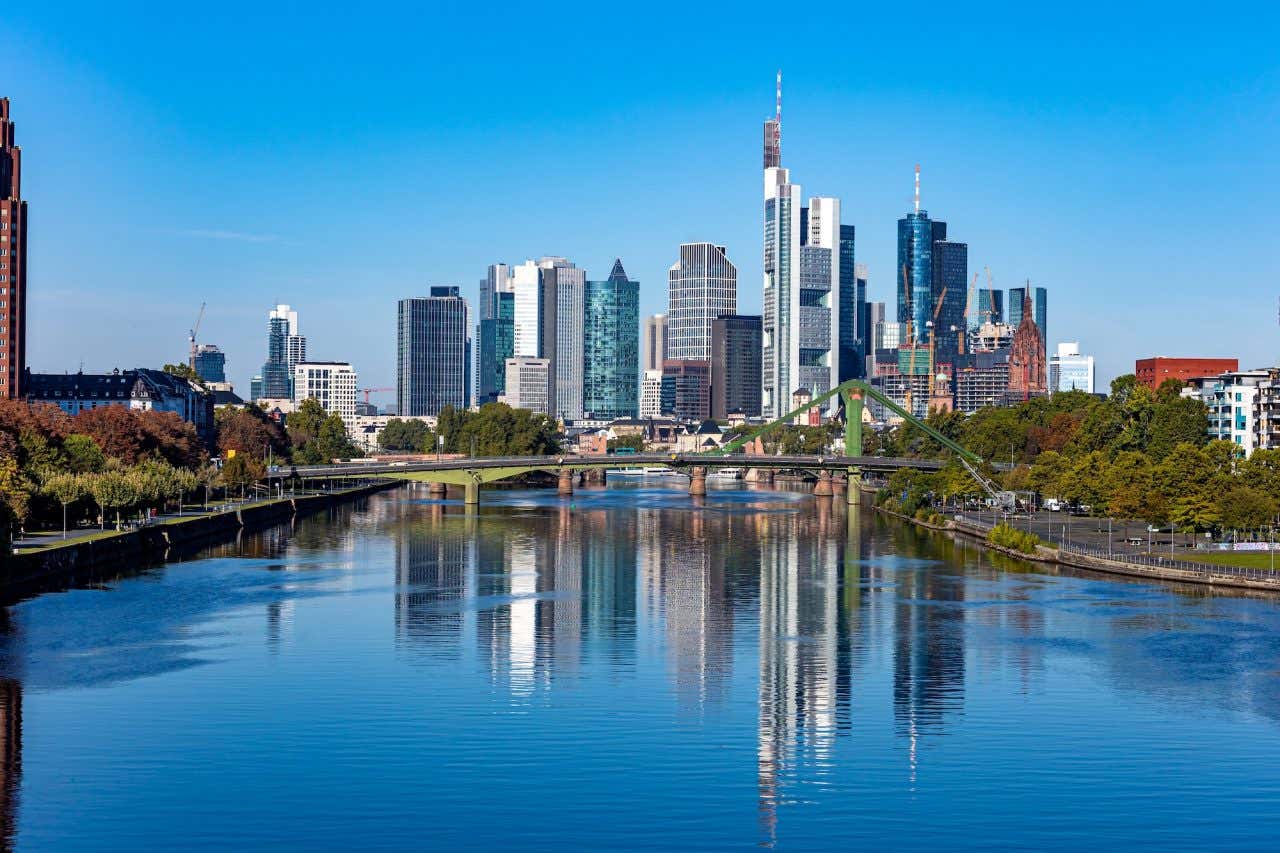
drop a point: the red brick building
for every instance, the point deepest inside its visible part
(13, 261)
(1028, 369)
(1153, 371)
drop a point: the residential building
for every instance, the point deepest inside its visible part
(611, 368)
(13, 263)
(651, 394)
(142, 389)
(1069, 370)
(1266, 412)
(1153, 372)
(1231, 399)
(330, 383)
(210, 363)
(653, 345)
(433, 362)
(701, 285)
(909, 391)
(686, 389)
(804, 248)
(1027, 374)
(295, 343)
(736, 352)
(528, 384)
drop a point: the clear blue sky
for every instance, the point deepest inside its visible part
(340, 157)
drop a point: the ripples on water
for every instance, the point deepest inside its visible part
(627, 669)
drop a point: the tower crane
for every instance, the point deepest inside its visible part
(911, 340)
(367, 391)
(968, 307)
(191, 338)
(933, 334)
(991, 297)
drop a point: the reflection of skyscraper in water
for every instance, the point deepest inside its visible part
(799, 652)
(609, 579)
(699, 621)
(435, 569)
(928, 670)
(10, 758)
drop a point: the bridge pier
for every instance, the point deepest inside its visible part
(838, 484)
(471, 494)
(437, 490)
(565, 484)
(823, 487)
(853, 487)
(698, 481)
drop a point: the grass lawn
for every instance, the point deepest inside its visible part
(1243, 559)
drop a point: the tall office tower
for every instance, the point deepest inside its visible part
(802, 276)
(1040, 307)
(930, 266)
(686, 389)
(990, 307)
(13, 262)
(853, 310)
(277, 376)
(653, 346)
(651, 394)
(528, 383)
(211, 363)
(611, 360)
(497, 280)
(433, 335)
(295, 343)
(548, 324)
(735, 365)
(497, 344)
(701, 286)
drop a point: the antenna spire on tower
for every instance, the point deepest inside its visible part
(917, 188)
(777, 116)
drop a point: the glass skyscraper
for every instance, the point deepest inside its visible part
(611, 346)
(950, 269)
(211, 363)
(497, 344)
(1040, 307)
(701, 286)
(277, 376)
(433, 356)
(990, 306)
(853, 309)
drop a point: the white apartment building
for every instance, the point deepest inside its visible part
(330, 383)
(1230, 399)
(651, 394)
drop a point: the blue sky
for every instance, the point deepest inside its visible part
(339, 158)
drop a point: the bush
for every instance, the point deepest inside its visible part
(1006, 536)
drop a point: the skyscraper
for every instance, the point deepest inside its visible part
(1040, 306)
(853, 309)
(653, 346)
(930, 269)
(735, 365)
(701, 286)
(433, 336)
(803, 254)
(277, 376)
(497, 344)
(990, 306)
(497, 280)
(548, 324)
(211, 363)
(611, 373)
(1069, 370)
(13, 262)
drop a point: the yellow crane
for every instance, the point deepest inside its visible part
(933, 334)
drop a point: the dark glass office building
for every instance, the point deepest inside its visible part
(497, 344)
(434, 350)
(1040, 308)
(853, 309)
(611, 347)
(736, 350)
(914, 274)
(990, 306)
(211, 363)
(277, 381)
(950, 269)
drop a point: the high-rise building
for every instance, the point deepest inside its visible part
(433, 353)
(548, 324)
(330, 383)
(653, 344)
(855, 328)
(211, 363)
(1069, 370)
(497, 280)
(990, 307)
(277, 376)
(13, 262)
(528, 383)
(651, 394)
(735, 365)
(686, 389)
(611, 369)
(804, 248)
(497, 344)
(1040, 306)
(701, 286)
(931, 269)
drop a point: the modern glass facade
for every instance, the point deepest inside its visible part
(432, 369)
(950, 271)
(701, 286)
(990, 306)
(497, 344)
(611, 351)
(277, 378)
(1039, 307)
(211, 364)
(735, 365)
(914, 273)
(853, 309)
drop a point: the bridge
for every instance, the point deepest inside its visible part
(471, 473)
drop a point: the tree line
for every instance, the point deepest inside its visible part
(495, 429)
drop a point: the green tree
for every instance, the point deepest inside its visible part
(67, 489)
(185, 371)
(628, 442)
(1262, 471)
(83, 454)
(241, 471)
(1049, 472)
(406, 435)
(15, 491)
(1195, 513)
(114, 490)
(303, 427)
(1243, 507)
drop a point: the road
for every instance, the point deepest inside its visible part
(1064, 528)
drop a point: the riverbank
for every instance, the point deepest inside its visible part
(1154, 568)
(64, 564)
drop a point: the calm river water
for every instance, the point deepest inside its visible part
(628, 670)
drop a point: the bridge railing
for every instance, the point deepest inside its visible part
(1154, 561)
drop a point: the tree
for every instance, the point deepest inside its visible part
(303, 427)
(66, 488)
(184, 371)
(333, 442)
(1262, 471)
(406, 435)
(1177, 420)
(1243, 507)
(1195, 513)
(629, 442)
(15, 491)
(241, 471)
(83, 454)
(249, 431)
(1048, 473)
(114, 490)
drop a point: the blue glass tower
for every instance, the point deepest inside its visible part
(853, 309)
(611, 348)
(497, 344)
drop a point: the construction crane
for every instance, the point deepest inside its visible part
(991, 297)
(191, 338)
(933, 335)
(367, 391)
(968, 308)
(911, 341)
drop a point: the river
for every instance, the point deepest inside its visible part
(628, 670)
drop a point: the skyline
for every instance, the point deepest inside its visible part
(1028, 157)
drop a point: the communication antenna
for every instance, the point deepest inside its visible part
(917, 188)
(777, 116)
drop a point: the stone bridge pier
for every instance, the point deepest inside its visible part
(698, 481)
(564, 485)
